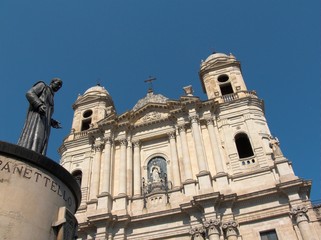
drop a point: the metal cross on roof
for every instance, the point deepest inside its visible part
(150, 82)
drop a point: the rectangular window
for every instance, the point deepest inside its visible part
(269, 235)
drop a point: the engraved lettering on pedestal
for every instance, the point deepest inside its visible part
(31, 174)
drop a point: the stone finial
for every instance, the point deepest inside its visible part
(188, 90)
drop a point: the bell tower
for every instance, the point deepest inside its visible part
(221, 75)
(94, 105)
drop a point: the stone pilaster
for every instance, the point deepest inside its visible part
(137, 168)
(198, 142)
(95, 170)
(104, 198)
(129, 166)
(105, 186)
(215, 147)
(174, 158)
(122, 188)
(186, 158)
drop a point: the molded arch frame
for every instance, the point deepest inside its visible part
(250, 149)
(151, 157)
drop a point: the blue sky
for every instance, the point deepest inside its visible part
(120, 43)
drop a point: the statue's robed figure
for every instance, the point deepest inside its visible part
(36, 130)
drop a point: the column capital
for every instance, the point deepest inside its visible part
(197, 232)
(123, 142)
(171, 135)
(98, 145)
(299, 213)
(212, 223)
(213, 226)
(230, 228)
(136, 143)
(108, 140)
(181, 128)
(209, 121)
(194, 118)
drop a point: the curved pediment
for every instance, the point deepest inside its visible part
(82, 100)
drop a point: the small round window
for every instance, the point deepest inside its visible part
(222, 78)
(87, 113)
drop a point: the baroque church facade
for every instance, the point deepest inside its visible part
(186, 168)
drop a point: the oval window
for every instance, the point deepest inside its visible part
(87, 113)
(222, 78)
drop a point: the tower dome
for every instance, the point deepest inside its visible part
(217, 57)
(96, 90)
(150, 98)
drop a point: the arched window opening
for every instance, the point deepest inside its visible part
(243, 145)
(87, 120)
(77, 176)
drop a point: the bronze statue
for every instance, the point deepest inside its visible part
(36, 130)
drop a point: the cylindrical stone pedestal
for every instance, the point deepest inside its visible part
(38, 196)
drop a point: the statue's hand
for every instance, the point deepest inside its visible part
(42, 110)
(55, 124)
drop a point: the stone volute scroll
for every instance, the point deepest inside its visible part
(36, 130)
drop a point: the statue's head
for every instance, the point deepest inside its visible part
(56, 84)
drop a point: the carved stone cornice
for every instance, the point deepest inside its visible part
(299, 214)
